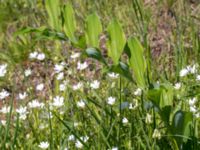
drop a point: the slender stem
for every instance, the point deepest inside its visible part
(51, 131)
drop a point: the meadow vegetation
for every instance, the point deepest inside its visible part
(106, 74)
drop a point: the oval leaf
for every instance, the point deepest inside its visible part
(96, 54)
(93, 30)
(116, 42)
(53, 10)
(137, 61)
(69, 22)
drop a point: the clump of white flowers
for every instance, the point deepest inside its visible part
(40, 87)
(58, 101)
(77, 86)
(133, 105)
(177, 86)
(36, 55)
(113, 75)
(95, 84)
(81, 104)
(44, 145)
(71, 137)
(75, 55)
(58, 68)
(198, 78)
(5, 109)
(41, 56)
(138, 92)
(3, 70)
(27, 72)
(22, 111)
(148, 119)
(35, 104)
(60, 76)
(156, 134)
(188, 70)
(192, 105)
(124, 120)
(78, 144)
(111, 100)
(82, 66)
(4, 94)
(22, 96)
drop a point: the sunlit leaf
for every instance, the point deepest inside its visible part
(137, 61)
(93, 30)
(69, 22)
(116, 41)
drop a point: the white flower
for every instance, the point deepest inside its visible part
(77, 86)
(41, 56)
(27, 72)
(156, 134)
(43, 145)
(85, 138)
(177, 86)
(71, 137)
(22, 112)
(192, 69)
(33, 55)
(125, 120)
(5, 109)
(58, 68)
(4, 94)
(62, 87)
(148, 119)
(183, 72)
(58, 101)
(138, 92)
(113, 75)
(3, 122)
(60, 76)
(75, 55)
(3, 70)
(81, 104)
(35, 104)
(111, 100)
(95, 84)
(78, 144)
(193, 109)
(198, 78)
(82, 66)
(22, 95)
(192, 101)
(114, 148)
(135, 103)
(40, 87)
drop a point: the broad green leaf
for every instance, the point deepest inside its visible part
(116, 41)
(162, 96)
(181, 126)
(69, 22)
(154, 96)
(166, 96)
(137, 61)
(122, 69)
(93, 30)
(165, 114)
(54, 13)
(96, 54)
